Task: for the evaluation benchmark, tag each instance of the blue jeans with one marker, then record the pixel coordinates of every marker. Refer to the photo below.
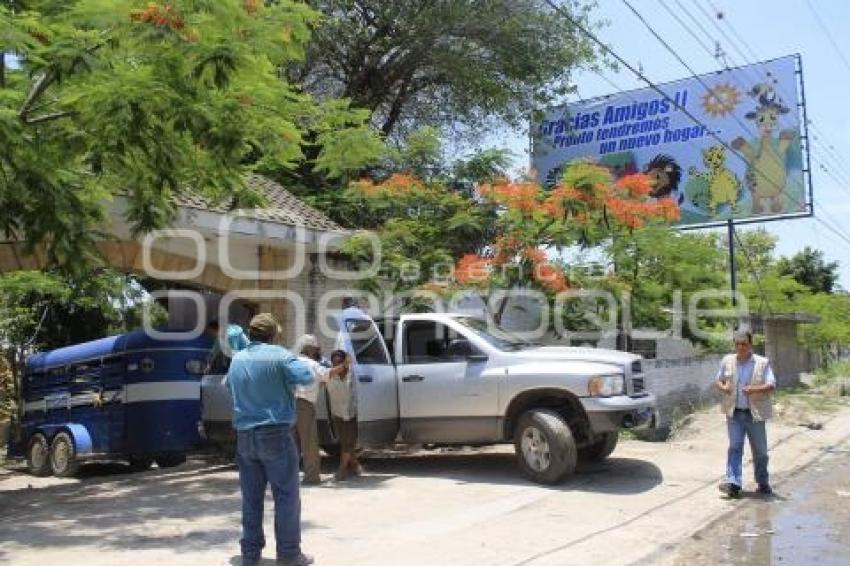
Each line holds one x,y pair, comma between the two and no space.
268,455
741,424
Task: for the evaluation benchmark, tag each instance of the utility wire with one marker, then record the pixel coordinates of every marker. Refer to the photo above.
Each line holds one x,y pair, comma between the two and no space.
654,87
754,61
754,271
684,63
841,183
685,26
828,35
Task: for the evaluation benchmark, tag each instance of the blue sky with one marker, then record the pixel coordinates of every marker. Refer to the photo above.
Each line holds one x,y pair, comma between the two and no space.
771,29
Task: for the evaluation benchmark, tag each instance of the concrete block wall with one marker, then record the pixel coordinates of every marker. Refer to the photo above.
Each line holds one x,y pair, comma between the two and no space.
681,383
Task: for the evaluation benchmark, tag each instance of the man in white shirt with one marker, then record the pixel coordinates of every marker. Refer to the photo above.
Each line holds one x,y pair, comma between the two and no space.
747,384
310,353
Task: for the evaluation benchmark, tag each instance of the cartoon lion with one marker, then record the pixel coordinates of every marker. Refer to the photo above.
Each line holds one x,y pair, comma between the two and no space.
665,174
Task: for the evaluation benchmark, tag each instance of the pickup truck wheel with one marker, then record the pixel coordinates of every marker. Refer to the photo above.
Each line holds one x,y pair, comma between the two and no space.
38,456
545,447
601,449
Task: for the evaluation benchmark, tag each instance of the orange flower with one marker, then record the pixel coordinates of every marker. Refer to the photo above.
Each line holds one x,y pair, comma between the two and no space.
551,277
472,269
534,255
522,197
635,185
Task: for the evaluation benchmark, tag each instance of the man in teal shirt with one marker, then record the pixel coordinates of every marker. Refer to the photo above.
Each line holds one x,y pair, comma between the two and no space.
261,380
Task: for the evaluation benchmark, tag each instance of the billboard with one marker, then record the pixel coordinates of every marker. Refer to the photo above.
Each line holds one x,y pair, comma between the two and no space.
753,110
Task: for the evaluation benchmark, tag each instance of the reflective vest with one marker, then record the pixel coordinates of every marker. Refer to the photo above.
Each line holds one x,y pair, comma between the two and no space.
761,404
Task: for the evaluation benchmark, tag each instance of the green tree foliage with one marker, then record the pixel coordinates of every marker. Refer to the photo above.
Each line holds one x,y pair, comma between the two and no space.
46,310
661,270
809,268
444,62
149,99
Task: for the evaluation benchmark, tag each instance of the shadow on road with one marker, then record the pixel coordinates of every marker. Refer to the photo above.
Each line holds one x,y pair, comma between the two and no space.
614,476
197,506
108,507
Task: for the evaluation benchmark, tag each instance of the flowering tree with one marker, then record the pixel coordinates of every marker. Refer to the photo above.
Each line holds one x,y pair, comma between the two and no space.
502,238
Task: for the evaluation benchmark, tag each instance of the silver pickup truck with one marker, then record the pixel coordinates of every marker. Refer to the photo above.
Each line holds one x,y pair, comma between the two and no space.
441,378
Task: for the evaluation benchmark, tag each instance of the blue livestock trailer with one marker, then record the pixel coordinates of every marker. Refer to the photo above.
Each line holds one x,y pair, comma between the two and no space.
129,397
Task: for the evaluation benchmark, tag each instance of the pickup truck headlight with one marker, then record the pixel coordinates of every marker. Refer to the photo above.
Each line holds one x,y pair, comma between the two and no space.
606,385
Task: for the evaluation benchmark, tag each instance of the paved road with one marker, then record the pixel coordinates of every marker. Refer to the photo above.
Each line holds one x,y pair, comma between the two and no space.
453,508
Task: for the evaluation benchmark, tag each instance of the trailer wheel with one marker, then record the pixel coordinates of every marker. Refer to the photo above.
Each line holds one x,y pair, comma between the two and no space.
38,455
170,460
63,456
545,446
601,449
139,463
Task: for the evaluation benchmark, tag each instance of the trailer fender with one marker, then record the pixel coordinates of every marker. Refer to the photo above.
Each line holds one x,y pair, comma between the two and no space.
81,436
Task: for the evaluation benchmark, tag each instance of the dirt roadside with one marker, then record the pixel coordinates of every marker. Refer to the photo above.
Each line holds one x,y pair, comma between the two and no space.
460,507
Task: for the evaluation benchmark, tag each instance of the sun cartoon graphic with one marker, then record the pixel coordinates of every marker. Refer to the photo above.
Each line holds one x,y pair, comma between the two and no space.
721,100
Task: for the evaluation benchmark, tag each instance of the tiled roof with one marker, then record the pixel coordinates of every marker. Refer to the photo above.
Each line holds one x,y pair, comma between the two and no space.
283,206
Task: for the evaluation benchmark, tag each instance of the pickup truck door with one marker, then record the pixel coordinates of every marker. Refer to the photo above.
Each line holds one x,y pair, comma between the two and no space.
444,397
375,378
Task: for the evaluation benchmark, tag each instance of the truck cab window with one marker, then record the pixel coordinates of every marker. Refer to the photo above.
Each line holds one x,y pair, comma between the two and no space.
432,342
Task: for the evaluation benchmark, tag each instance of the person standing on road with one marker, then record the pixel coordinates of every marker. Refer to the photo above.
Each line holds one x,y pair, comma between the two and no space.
310,353
747,384
261,380
343,401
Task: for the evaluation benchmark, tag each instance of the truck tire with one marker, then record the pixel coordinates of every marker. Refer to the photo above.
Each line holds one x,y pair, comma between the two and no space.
139,463
38,455
170,460
545,446
600,449
63,456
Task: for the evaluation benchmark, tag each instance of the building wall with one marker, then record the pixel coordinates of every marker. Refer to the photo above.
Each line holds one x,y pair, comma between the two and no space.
681,384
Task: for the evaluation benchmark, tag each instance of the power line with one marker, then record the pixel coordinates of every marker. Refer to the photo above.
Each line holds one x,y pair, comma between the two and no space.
696,38
655,87
734,31
752,269
828,34
828,171
708,89
754,61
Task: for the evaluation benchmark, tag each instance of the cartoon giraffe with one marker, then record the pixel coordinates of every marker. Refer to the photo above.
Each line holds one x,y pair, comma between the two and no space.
766,172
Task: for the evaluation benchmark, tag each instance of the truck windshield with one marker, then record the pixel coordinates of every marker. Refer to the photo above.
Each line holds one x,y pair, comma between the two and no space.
496,336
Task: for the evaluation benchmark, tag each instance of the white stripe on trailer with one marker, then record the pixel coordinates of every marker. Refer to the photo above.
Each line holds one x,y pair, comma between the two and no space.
133,393
162,391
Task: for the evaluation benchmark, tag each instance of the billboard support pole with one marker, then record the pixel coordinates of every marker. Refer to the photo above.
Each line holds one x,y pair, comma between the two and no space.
733,268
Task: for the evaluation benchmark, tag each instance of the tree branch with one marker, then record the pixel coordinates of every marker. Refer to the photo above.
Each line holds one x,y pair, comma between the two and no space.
48,117
38,88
